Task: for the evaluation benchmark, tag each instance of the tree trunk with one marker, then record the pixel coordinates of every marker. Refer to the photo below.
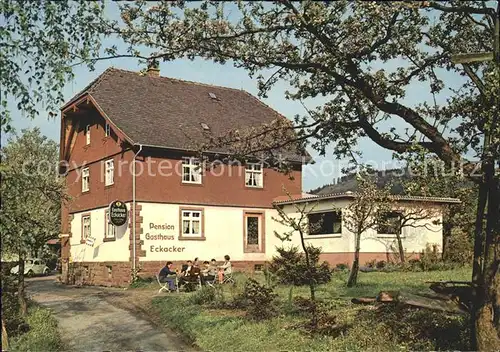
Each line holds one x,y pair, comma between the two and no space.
446,240
290,298
20,288
312,286
400,248
311,283
487,305
486,297
353,275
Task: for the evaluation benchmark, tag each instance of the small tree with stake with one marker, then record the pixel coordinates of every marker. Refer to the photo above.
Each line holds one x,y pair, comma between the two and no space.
313,274
363,214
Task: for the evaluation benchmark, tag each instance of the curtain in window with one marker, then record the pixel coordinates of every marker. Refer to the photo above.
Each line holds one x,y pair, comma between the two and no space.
185,226
196,227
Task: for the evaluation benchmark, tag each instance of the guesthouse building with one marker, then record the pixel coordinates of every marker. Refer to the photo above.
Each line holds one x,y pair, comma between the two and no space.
141,192
135,138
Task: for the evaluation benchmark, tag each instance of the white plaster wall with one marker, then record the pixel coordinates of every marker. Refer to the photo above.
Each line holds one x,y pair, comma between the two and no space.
415,238
223,232
224,235
101,251
329,243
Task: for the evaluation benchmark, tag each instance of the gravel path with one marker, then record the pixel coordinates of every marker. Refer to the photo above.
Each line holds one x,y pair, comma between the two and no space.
88,322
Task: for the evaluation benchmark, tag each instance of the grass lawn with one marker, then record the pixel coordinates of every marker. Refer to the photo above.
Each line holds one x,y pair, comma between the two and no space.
359,327
43,333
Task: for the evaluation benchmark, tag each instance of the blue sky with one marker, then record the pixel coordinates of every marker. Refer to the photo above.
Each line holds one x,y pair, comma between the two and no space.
322,172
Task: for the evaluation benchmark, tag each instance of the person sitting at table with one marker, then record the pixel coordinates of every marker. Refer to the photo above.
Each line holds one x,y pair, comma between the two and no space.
208,272
225,269
165,275
196,262
186,268
185,273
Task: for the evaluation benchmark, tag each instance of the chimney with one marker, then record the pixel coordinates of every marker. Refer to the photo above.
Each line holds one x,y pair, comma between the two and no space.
153,69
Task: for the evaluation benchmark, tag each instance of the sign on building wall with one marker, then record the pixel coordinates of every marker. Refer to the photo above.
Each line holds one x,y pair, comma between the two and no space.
118,213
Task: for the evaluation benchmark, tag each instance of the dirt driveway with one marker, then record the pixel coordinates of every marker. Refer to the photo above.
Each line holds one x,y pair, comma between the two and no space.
88,322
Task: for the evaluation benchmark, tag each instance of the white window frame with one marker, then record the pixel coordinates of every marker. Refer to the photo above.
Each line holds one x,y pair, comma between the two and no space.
86,228
107,130
110,230
85,179
254,175
87,135
109,172
191,167
192,216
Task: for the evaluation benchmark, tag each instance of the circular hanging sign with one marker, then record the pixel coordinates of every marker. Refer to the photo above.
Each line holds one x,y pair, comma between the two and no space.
118,213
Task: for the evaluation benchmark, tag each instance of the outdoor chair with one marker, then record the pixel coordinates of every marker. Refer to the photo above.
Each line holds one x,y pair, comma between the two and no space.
213,282
228,279
164,285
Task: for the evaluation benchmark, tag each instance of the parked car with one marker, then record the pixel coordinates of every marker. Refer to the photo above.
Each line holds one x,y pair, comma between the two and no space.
32,267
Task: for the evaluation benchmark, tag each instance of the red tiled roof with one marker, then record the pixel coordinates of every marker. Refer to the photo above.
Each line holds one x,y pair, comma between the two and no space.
169,113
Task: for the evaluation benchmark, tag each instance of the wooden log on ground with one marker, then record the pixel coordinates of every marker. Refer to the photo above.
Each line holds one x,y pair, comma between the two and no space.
462,294
467,283
438,302
428,302
364,300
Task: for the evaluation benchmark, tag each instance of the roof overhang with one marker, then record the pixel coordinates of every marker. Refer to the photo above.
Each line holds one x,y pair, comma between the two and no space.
351,195
305,160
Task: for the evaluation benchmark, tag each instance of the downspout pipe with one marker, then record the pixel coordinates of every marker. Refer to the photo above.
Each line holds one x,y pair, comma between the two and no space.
133,207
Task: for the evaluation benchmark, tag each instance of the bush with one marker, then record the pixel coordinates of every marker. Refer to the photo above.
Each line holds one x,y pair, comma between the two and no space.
291,269
259,300
205,295
341,267
43,334
429,257
459,247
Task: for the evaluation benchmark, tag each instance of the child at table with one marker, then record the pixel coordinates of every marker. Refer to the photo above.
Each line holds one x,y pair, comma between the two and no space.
225,269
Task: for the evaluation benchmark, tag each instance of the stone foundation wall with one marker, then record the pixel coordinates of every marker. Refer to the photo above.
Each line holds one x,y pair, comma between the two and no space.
100,273
119,273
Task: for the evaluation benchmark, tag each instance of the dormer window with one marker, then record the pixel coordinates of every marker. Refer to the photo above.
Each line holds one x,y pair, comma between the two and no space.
107,130
253,175
87,135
